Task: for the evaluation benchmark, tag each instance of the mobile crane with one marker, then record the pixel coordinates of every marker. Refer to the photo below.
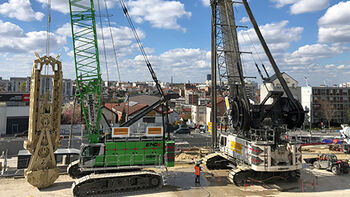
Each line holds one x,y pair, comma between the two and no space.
112,162
251,135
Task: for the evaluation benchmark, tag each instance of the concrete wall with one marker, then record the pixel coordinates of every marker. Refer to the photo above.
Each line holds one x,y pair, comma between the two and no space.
17,111
276,85
306,95
263,92
199,115
3,119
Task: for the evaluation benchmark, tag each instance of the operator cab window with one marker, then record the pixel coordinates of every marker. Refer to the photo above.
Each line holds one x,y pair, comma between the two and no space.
91,151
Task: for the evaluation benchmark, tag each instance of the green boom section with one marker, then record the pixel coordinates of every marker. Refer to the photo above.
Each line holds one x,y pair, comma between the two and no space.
138,153
87,65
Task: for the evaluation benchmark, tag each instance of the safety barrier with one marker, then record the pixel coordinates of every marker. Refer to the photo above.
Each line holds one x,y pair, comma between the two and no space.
306,185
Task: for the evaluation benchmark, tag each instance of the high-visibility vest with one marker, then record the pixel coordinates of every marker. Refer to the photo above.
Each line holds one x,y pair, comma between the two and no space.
197,170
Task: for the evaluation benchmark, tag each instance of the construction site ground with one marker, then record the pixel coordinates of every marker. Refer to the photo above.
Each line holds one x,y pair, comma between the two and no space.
180,182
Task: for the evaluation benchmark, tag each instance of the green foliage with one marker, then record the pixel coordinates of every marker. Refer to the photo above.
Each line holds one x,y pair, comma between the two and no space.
348,115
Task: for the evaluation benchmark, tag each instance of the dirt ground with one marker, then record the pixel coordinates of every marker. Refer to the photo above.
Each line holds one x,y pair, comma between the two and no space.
180,183
312,151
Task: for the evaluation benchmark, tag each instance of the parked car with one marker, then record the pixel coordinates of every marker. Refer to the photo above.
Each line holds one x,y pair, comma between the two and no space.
182,130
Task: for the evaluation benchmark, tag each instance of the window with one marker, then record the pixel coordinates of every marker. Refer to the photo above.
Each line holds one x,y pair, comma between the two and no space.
91,151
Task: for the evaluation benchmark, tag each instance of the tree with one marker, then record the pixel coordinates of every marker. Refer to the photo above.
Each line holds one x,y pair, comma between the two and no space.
348,115
328,110
67,114
23,87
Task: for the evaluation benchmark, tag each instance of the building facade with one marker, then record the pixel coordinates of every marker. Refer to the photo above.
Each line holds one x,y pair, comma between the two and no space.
275,85
14,113
198,114
333,102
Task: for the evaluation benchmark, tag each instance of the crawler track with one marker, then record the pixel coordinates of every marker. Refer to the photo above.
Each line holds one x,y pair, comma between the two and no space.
116,182
240,177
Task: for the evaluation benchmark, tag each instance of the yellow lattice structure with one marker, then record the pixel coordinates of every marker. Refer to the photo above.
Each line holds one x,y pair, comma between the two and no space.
44,122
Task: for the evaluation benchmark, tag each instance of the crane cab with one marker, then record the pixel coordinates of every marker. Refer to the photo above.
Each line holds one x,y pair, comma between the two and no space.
91,154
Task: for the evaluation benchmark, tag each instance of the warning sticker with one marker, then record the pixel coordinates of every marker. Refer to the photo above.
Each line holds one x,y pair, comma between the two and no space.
236,147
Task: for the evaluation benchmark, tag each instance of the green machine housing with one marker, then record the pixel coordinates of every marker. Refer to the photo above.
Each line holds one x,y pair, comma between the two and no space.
133,152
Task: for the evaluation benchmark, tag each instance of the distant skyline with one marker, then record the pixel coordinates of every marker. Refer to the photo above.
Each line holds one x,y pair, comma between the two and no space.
308,38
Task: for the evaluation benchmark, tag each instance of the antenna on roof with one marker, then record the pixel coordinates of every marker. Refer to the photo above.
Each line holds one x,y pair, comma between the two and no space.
307,83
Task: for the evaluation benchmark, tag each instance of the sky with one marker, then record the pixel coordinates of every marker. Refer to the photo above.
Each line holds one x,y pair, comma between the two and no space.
309,39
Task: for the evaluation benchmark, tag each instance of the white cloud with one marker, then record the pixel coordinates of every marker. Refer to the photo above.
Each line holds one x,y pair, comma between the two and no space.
181,63
160,13
334,24
206,3
341,67
123,38
309,54
65,30
63,5
58,5
244,20
281,3
277,35
14,40
21,10
302,6
10,29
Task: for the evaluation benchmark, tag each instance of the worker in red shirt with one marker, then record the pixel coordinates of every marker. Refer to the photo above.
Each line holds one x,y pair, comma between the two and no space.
197,170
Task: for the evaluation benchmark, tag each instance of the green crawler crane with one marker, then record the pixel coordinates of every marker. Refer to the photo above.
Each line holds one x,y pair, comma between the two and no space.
113,162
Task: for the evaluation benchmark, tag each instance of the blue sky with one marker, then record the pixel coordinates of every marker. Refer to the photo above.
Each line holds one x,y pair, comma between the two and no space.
308,38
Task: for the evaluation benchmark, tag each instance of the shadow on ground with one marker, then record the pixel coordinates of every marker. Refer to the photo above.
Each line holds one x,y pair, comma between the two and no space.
58,186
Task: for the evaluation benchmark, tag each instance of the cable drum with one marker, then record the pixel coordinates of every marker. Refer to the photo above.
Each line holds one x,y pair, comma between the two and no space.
240,114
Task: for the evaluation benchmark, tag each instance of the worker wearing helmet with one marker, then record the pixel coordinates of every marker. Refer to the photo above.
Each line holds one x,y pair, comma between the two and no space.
197,170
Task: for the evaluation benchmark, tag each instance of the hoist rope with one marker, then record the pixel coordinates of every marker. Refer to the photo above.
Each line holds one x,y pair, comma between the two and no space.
137,38
113,44
256,51
48,30
103,39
